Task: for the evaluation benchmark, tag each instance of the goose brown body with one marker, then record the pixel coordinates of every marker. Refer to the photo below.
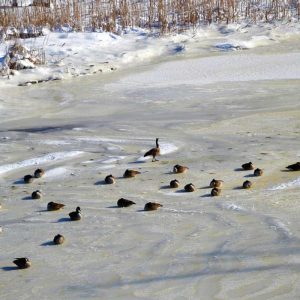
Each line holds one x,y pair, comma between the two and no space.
28,178
294,167
152,206
36,194
174,183
215,183
154,152
39,173
130,173
215,191
75,215
258,172
248,166
55,206
110,179
189,188
180,169
124,202
22,262
247,184
58,239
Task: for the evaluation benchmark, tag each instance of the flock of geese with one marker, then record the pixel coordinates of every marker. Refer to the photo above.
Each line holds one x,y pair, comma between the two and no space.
215,184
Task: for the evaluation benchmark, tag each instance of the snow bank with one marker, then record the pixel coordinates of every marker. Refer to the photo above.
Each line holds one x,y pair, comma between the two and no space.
70,54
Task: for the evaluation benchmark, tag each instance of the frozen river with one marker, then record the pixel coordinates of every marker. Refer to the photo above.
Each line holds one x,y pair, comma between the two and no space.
212,113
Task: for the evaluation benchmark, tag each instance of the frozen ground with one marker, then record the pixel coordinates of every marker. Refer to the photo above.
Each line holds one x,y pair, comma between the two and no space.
243,244
71,54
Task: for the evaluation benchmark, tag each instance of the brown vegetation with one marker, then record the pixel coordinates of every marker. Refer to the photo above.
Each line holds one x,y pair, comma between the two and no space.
166,15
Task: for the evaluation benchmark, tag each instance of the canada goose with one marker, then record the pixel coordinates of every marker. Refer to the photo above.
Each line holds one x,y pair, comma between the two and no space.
180,169
22,262
58,239
75,215
154,152
36,195
130,173
216,183
248,166
124,202
189,187
174,183
54,206
110,179
152,206
247,184
28,178
215,191
258,172
294,167
39,173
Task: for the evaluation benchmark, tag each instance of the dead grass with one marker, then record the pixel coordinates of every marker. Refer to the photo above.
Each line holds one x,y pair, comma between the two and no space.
165,15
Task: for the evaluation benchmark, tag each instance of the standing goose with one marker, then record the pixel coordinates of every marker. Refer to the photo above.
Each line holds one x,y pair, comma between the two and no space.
294,167
154,152
22,262
75,215
180,169
130,173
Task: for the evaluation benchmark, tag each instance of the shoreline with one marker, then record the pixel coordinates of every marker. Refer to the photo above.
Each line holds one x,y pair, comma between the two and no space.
76,54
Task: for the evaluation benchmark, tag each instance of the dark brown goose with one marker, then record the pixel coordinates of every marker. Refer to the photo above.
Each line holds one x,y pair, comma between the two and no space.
216,183
294,167
189,188
130,173
110,179
124,202
55,206
174,183
180,169
58,239
152,206
248,166
247,184
28,178
22,262
38,173
154,152
258,172
215,192
75,215
36,195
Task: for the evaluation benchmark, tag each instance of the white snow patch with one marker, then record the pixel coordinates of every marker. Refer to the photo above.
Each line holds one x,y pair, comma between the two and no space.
55,172
287,185
48,158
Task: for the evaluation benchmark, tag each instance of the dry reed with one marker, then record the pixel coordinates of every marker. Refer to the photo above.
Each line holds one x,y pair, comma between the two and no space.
164,15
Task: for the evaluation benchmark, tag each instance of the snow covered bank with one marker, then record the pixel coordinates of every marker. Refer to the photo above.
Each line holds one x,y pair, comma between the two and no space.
70,54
